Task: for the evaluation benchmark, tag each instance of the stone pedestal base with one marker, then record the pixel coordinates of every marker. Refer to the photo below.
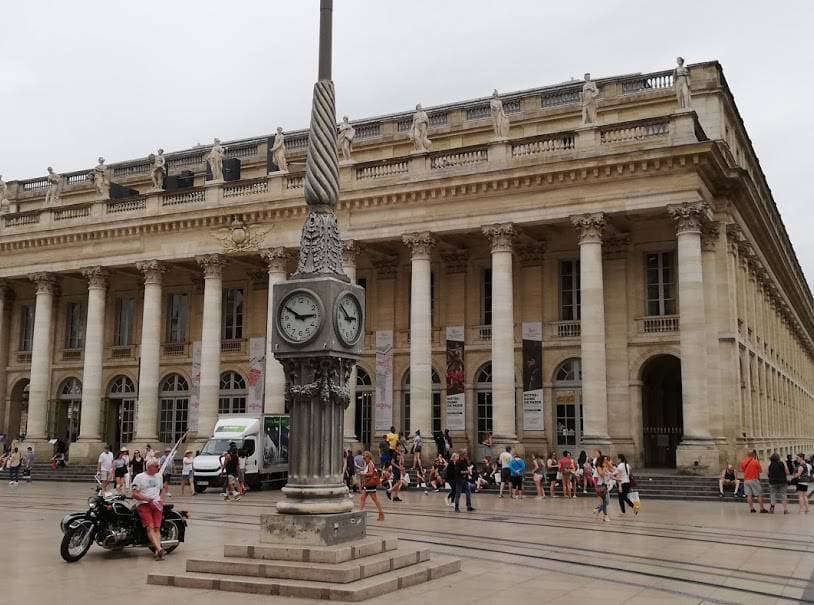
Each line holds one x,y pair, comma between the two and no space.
312,530
85,451
697,457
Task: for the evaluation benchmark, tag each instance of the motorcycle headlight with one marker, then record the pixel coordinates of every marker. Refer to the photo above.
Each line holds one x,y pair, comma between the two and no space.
92,501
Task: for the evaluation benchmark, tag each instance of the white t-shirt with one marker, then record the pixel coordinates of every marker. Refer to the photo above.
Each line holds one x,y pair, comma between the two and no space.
241,463
148,485
623,473
187,469
505,458
106,461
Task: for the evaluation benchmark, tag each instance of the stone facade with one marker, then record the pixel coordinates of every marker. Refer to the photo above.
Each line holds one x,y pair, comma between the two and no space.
682,335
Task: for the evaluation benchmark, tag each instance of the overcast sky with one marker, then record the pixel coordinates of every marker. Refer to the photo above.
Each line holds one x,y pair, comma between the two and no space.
82,78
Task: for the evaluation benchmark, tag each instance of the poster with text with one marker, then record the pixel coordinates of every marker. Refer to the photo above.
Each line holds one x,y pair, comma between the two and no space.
256,383
195,390
456,396
383,419
533,418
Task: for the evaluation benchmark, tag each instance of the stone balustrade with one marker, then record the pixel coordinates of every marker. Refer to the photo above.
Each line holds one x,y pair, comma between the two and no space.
296,181
126,205
70,212
556,98
40,184
196,195
458,158
543,145
644,82
659,324
243,189
76,178
367,131
635,132
564,329
382,169
484,110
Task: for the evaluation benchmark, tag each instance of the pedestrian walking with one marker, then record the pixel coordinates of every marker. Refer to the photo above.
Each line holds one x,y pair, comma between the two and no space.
602,478
397,477
136,464
13,461
623,479
552,473
464,476
119,470
453,470
370,482
517,467
538,474
751,468
104,468
505,472
418,445
801,478
778,483
566,470
229,467
186,473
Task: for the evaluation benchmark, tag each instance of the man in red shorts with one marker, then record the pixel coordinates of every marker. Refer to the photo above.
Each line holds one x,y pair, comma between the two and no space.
148,487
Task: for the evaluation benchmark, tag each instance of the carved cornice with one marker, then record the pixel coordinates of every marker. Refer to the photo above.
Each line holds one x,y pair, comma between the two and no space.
501,236
386,267
689,217
420,244
350,252
590,227
616,247
455,261
45,283
96,276
212,265
277,259
152,270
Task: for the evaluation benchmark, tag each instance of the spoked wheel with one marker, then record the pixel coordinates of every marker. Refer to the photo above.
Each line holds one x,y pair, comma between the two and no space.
169,532
76,541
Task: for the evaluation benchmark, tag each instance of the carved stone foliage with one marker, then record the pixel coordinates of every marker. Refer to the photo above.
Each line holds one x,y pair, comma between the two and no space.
590,227
45,283
455,261
152,270
241,237
710,237
277,259
615,248
212,264
531,254
322,378
689,217
96,276
320,246
420,244
501,236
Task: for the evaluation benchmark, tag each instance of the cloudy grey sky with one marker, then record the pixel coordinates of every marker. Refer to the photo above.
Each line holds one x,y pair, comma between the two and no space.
84,78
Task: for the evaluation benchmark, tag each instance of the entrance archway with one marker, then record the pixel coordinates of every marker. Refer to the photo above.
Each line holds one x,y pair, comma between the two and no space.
18,411
120,420
568,404
364,406
662,416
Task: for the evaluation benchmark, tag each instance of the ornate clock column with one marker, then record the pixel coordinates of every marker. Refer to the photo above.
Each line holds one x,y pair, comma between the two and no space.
318,327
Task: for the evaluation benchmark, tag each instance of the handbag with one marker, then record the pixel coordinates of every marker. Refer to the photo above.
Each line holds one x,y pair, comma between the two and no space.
372,480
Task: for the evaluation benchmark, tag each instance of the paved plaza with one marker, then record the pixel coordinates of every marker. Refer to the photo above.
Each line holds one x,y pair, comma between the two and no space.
529,551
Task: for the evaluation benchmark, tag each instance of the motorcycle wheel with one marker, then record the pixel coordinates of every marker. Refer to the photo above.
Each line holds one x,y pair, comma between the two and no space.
169,531
76,542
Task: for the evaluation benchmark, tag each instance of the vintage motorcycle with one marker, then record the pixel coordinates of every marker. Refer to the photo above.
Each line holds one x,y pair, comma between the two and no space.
114,525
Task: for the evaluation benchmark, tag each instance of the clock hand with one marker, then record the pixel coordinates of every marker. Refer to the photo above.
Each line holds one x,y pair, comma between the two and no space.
344,312
297,315
306,316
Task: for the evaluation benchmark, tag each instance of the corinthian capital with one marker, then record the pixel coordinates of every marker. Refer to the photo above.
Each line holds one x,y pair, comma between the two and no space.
589,227
689,217
501,236
212,264
420,244
152,270
46,283
350,252
277,259
96,276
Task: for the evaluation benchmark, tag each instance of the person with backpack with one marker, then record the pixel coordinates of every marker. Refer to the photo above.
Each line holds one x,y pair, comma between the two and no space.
370,482
229,466
623,478
777,483
801,479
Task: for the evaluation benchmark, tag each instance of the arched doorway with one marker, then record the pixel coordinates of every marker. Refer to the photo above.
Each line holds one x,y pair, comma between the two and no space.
483,400
120,422
173,408
68,410
18,411
568,404
233,393
364,406
436,404
662,418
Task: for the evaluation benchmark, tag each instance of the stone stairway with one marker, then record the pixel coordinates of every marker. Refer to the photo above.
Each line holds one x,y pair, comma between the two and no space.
71,472
354,572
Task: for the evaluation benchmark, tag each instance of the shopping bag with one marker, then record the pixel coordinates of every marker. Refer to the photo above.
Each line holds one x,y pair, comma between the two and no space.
634,497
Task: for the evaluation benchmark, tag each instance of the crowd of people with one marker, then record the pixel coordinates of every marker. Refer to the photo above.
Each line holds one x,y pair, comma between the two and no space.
792,474
114,471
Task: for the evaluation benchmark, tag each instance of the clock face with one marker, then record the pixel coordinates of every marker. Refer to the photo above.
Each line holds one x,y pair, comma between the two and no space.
348,320
299,317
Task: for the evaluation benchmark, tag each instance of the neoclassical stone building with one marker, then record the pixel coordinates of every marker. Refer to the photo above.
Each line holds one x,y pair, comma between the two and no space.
612,273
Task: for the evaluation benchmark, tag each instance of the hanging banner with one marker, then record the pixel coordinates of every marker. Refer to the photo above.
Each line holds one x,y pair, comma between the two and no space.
533,417
195,390
456,396
383,418
256,382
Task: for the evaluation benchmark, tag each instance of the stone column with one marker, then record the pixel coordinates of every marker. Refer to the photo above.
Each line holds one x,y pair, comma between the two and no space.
150,353
274,394
421,245
212,265
503,393
697,450
90,435
350,253
6,304
39,387
590,228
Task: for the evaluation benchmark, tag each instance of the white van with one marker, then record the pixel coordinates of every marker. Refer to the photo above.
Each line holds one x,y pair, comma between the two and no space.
263,438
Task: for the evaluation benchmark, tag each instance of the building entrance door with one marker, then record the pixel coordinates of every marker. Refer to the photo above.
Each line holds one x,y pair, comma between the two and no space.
568,405
662,418
364,407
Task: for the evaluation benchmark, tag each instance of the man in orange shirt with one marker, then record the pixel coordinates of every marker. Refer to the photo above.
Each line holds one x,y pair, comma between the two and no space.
750,466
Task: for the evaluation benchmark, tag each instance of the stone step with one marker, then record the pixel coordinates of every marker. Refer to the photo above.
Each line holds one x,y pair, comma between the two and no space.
360,590
341,573
313,554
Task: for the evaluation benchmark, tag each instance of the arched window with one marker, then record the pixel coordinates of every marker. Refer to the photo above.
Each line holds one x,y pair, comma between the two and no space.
232,394
364,406
436,403
174,408
483,399
568,402
69,409
122,391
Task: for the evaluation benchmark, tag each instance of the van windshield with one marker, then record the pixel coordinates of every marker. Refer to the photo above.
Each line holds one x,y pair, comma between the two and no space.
216,447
